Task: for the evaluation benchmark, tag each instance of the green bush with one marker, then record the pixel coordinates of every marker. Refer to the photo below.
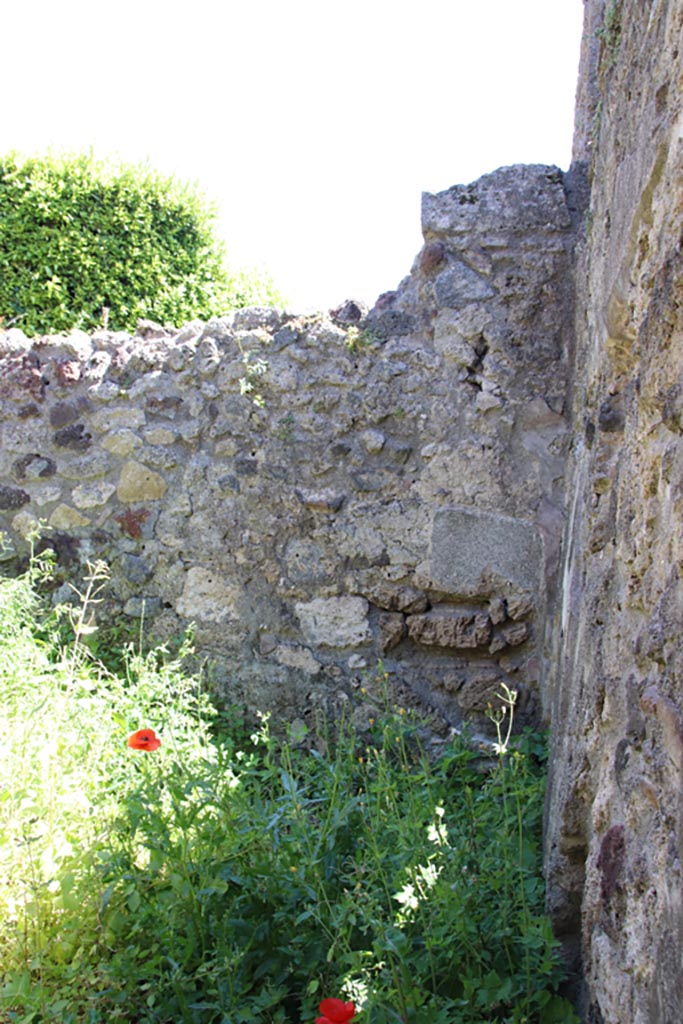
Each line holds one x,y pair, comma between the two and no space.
78,236
229,879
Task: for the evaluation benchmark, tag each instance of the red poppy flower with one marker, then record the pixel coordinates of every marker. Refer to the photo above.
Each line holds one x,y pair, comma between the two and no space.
334,1011
144,739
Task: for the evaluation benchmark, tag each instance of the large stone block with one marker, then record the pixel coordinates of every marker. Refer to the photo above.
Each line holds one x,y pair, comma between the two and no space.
334,621
471,549
207,597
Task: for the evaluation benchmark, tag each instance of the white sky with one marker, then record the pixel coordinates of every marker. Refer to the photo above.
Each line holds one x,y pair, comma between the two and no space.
314,126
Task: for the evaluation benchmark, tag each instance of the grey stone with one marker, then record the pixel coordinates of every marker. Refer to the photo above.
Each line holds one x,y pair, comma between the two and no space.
390,324
267,644
63,413
287,335
398,598
450,629
92,495
519,606
373,440
321,501
497,610
148,330
134,568
299,658
515,633
13,497
13,341
613,801
471,548
350,312
34,466
75,437
460,284
334,621
246,465
208,357
513,200
481,691
142,607
207,597
253,317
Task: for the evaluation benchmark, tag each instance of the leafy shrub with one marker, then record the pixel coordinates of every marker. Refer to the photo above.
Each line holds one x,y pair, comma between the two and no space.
228,880
78,236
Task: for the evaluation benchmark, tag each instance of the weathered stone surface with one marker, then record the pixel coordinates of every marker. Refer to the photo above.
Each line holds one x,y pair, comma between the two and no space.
63,413
64,517
515,633
85,467
444,629
134,569
392,629
373,440
398,598
460,284
519,606
470,549
614,833
34,466
139,483
207,597
334,621
92,495
298,658
142,607
74,437
321,501
350,312
447,437
12,497
121,442
480,691
24,524
497,610
159,435
509,202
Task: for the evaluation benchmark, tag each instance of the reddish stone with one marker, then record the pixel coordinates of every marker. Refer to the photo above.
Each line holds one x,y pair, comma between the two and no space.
131,521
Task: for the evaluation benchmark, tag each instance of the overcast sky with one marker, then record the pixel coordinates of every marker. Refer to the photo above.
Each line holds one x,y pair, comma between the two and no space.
314,126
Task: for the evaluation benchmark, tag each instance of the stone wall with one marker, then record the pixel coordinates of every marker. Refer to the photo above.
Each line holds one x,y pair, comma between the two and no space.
397,494
614,828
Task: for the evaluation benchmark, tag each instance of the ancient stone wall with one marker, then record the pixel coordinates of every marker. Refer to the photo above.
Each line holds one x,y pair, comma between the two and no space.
614,821
317,493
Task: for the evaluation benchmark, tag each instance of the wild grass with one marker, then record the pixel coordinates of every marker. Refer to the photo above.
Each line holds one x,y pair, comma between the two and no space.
228,878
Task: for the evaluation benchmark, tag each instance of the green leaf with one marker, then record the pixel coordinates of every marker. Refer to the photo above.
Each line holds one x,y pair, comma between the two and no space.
110,236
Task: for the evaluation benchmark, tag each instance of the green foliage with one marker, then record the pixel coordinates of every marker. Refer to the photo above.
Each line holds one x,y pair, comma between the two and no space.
226,879
357,339
610,36
78,237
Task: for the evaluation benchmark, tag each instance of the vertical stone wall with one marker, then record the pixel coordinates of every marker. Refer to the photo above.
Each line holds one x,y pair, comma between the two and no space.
614,824
394,491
